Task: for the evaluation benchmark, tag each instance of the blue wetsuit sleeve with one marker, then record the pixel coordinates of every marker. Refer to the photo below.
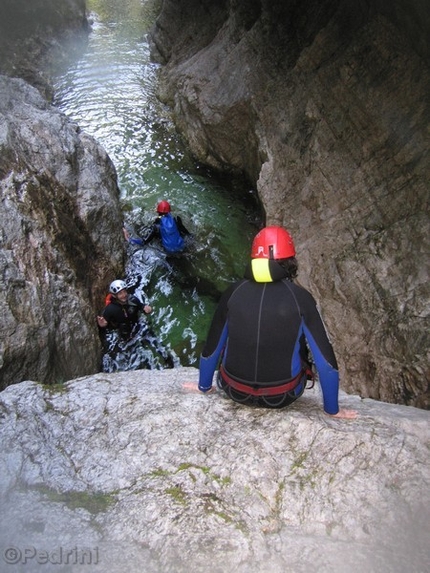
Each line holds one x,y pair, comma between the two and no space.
208,364
328,375
216,340
136,241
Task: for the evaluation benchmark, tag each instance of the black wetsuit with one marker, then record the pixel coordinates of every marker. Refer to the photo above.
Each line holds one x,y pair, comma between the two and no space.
129,342
123,317
258,328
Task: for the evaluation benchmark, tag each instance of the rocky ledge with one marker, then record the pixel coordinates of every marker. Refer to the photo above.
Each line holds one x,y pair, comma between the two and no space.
135,471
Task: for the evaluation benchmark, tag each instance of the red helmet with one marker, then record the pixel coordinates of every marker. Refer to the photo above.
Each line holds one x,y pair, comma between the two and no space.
163,207
273,243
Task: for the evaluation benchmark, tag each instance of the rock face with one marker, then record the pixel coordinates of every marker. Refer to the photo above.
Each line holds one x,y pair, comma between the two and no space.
324,107
34,33
135,472
61,219
60,239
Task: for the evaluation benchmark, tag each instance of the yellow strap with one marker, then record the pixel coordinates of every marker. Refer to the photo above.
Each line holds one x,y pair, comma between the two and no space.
260,270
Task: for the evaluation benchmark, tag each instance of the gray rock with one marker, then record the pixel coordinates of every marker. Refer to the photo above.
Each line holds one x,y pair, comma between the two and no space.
60,242
133,471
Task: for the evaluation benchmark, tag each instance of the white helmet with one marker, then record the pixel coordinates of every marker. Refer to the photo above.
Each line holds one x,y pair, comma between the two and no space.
116,286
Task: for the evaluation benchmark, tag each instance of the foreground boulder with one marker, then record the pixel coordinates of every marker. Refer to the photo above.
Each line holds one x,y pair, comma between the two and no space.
136,472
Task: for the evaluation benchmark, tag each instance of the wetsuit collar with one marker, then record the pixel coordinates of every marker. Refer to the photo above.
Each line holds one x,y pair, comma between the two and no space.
265,271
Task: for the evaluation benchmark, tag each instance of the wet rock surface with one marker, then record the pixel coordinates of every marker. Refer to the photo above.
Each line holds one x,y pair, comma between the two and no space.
144,474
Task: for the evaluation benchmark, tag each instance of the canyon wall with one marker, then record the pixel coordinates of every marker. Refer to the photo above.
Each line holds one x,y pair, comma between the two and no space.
324,107
60,242
34,33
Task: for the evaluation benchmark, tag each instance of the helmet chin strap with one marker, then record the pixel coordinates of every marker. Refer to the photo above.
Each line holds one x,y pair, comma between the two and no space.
271,256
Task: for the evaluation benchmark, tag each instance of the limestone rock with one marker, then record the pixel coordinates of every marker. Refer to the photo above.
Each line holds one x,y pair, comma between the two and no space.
146,475
324,107
60,239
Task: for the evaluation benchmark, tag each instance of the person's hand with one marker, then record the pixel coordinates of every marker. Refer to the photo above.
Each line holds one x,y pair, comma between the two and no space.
102,322
126,234
210,391
147,309
345,414
193,387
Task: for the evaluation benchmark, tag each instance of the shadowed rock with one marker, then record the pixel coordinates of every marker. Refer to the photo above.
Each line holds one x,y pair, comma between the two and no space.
60,239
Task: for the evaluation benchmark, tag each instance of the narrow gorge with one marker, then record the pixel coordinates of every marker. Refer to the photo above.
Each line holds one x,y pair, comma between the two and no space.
323,108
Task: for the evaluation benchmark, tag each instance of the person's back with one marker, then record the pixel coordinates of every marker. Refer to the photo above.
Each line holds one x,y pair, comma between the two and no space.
170,235
261,329
271,315
168,229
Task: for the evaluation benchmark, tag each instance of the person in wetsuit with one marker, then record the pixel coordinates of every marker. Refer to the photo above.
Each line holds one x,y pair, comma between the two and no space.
260,329
122,312
171,239
126,335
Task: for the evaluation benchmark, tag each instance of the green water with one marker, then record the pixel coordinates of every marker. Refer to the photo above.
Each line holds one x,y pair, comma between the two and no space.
109,90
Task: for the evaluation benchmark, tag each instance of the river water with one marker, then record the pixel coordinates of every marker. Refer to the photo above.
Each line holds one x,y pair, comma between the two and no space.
109,89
